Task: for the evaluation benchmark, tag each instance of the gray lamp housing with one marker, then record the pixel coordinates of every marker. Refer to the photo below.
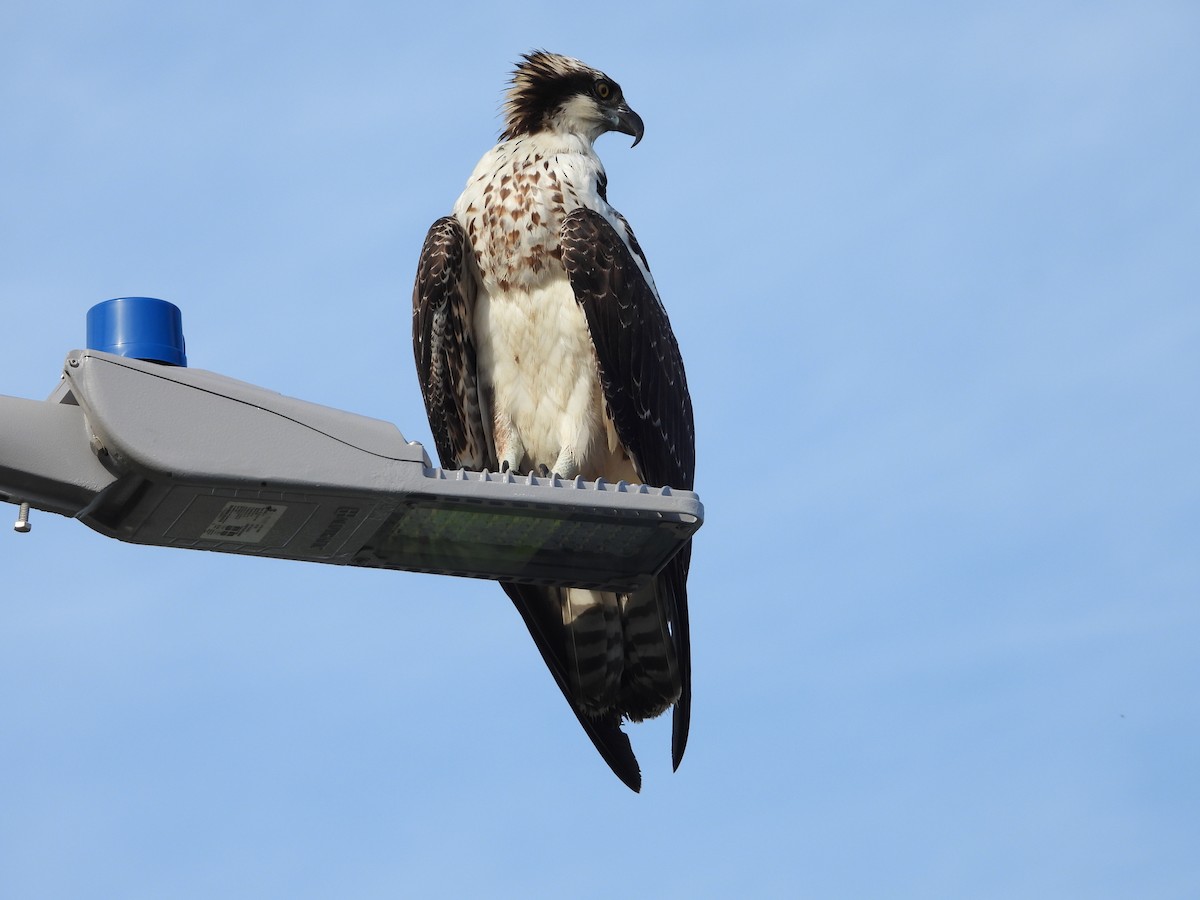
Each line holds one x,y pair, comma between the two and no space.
178,457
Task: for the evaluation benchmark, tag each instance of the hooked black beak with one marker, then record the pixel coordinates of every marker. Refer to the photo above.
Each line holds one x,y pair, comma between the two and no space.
626,121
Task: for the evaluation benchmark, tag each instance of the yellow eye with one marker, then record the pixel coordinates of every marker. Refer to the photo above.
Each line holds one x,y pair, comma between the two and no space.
603,90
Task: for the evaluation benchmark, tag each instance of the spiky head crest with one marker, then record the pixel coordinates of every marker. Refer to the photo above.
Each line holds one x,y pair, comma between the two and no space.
550,91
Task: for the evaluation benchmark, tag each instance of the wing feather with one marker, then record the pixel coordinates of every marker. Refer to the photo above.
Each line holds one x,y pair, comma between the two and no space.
443,301
641,368
541,610
645,390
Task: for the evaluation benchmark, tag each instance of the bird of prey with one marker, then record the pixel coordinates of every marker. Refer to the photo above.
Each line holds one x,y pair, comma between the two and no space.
542,347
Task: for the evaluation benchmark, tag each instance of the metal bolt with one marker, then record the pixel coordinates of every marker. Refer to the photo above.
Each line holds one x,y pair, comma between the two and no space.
22,525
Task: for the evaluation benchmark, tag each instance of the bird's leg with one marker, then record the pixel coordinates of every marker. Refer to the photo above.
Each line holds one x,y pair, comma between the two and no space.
566,466
509,448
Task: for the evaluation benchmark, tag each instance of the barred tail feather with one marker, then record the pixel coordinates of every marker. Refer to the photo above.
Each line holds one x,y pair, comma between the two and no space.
593,626
650,681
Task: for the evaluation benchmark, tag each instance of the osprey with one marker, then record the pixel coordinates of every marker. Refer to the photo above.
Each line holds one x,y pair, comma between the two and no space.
542,347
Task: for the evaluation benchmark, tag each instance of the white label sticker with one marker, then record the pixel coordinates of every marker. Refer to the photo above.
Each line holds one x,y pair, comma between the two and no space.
247,523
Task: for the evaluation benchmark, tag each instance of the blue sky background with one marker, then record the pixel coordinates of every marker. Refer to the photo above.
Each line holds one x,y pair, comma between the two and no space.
935,270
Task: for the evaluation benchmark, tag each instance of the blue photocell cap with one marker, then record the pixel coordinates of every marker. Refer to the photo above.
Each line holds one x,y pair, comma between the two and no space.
139,327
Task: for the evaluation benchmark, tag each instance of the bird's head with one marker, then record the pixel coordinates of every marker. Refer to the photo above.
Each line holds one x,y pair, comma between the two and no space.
557,93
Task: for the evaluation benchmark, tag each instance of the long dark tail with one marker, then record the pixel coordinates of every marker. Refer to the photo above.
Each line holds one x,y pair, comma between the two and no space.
616,657
542,610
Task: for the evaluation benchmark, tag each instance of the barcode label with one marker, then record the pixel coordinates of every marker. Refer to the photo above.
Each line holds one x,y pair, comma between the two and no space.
247,523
